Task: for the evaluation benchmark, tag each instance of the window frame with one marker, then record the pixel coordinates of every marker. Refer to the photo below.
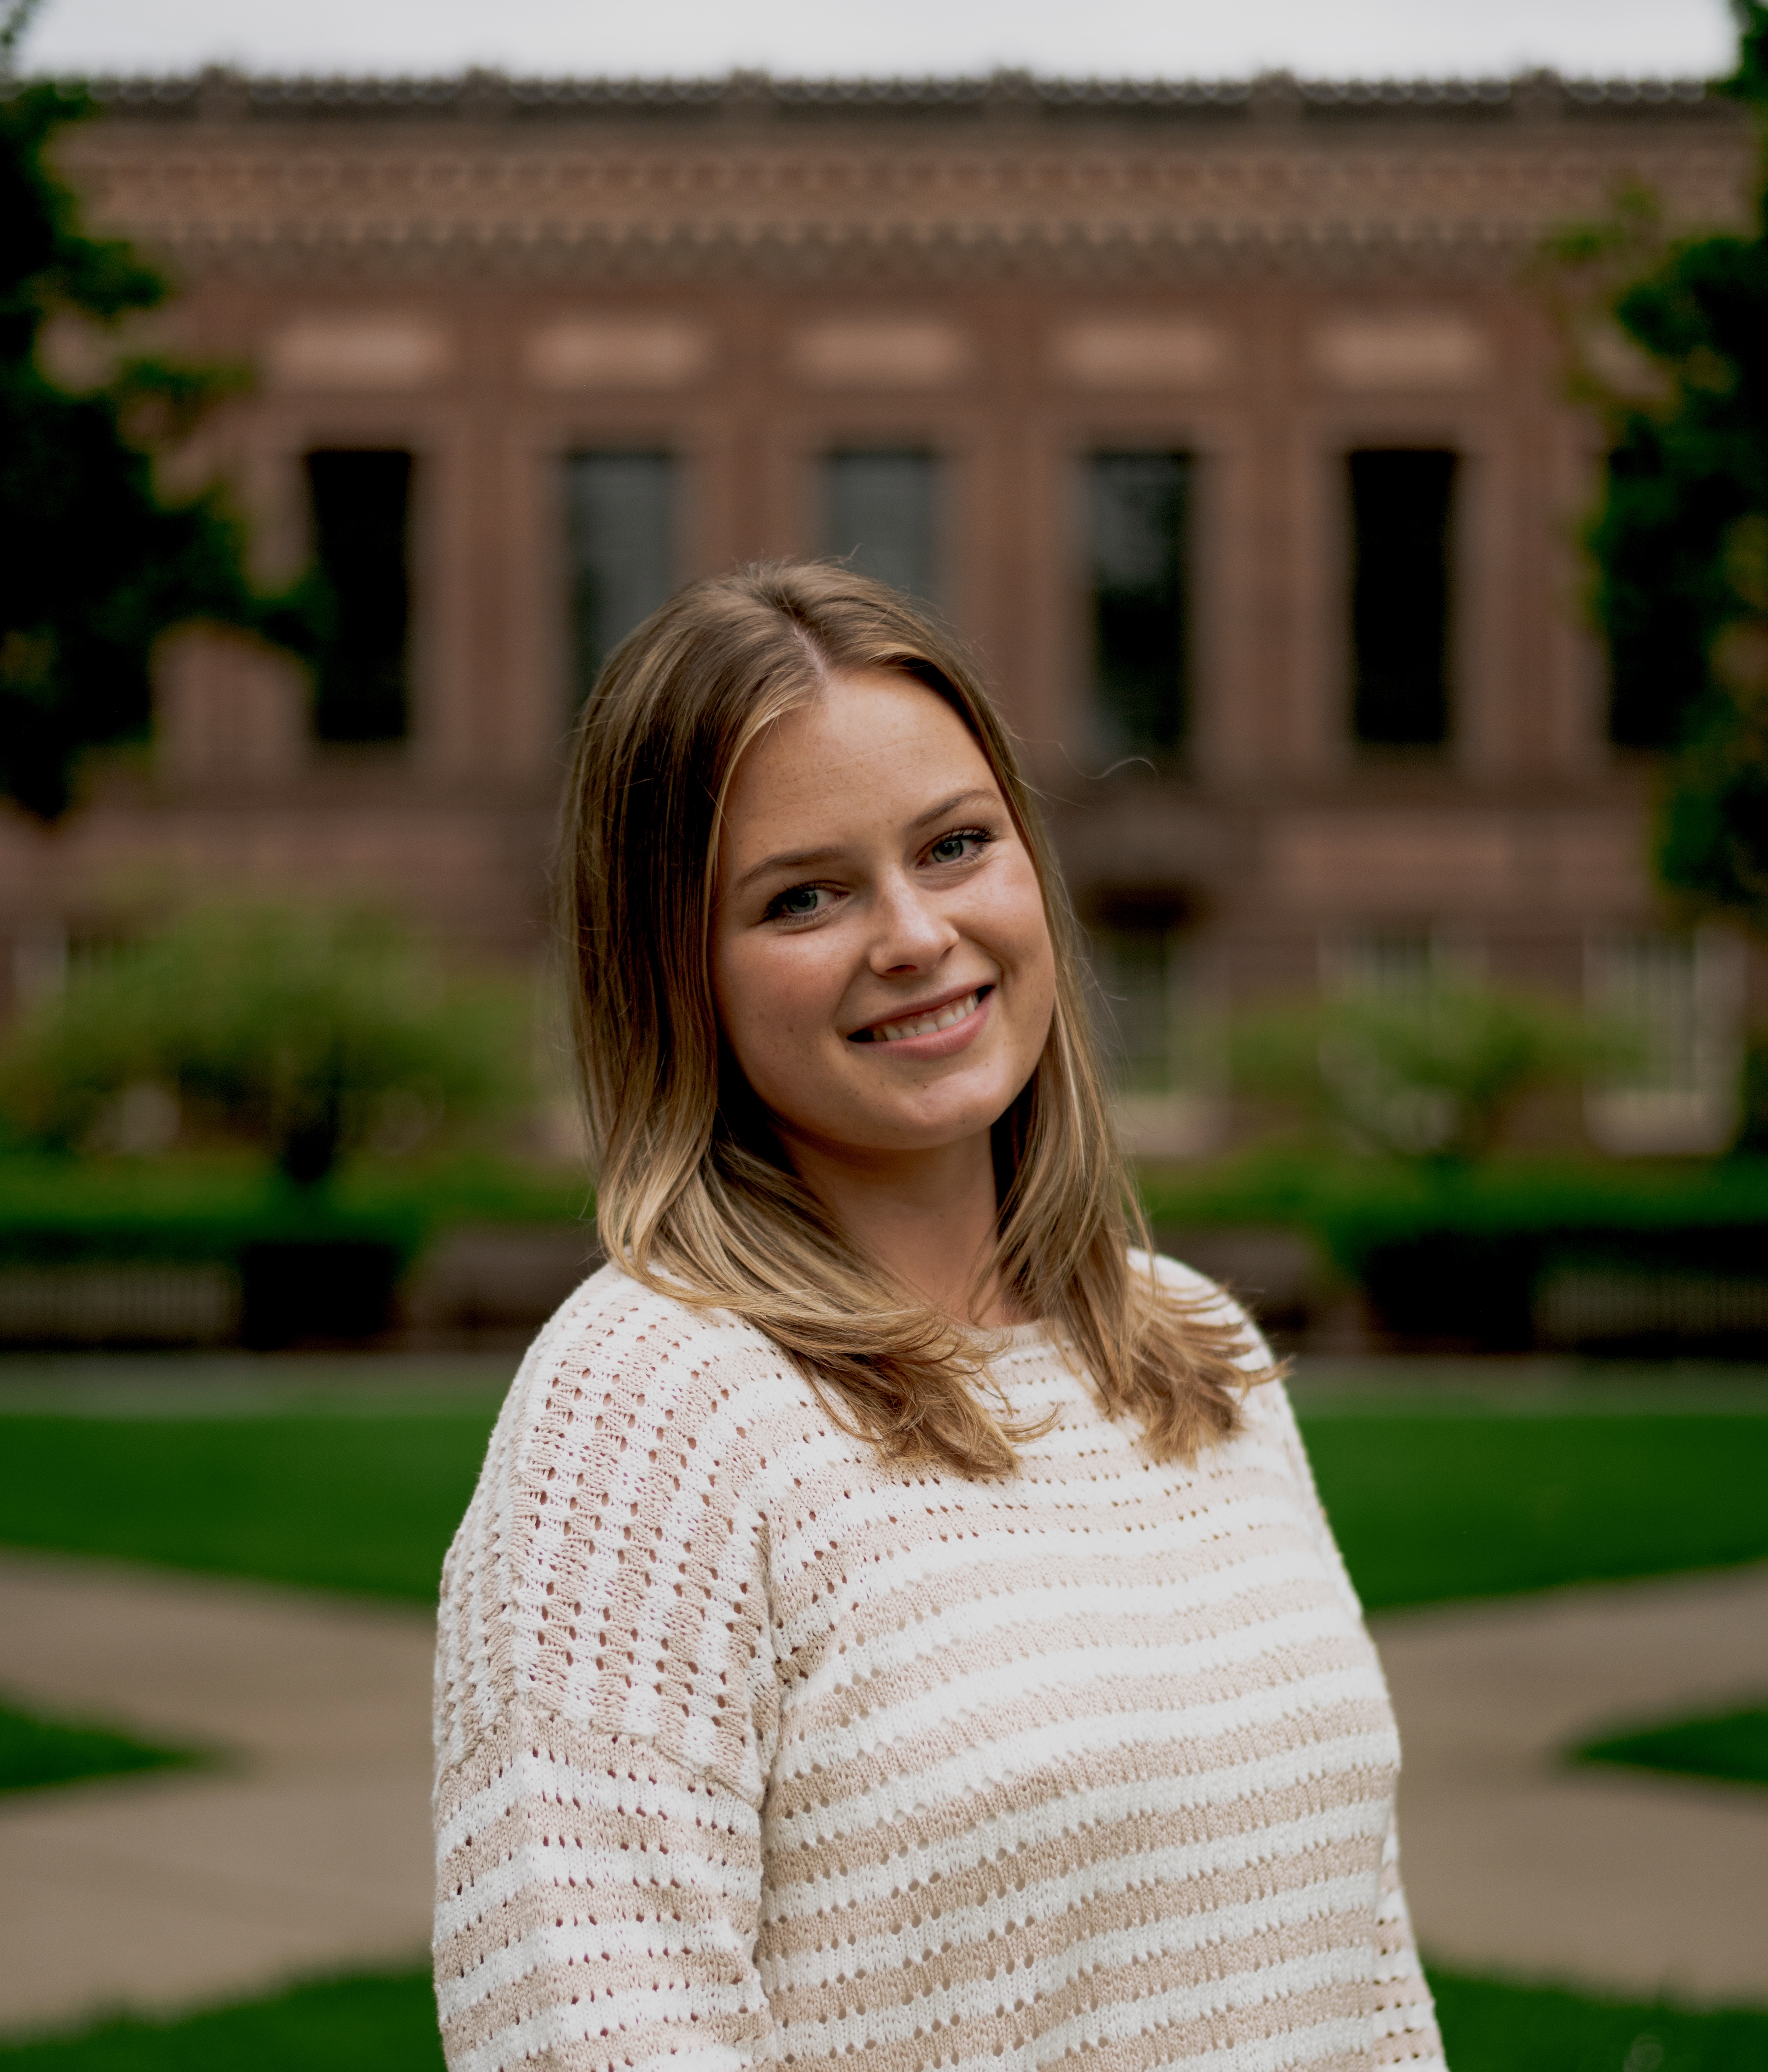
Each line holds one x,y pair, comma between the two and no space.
1451,688
936,593
582,670
315,449
1116,741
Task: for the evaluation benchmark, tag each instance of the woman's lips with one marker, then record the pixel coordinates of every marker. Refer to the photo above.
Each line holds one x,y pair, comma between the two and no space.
946,1026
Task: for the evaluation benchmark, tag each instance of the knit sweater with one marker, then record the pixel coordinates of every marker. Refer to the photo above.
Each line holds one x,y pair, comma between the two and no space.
753,1747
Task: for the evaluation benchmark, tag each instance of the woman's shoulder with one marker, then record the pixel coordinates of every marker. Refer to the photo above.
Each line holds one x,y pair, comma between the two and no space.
613,1309
633,1450
1209,1299
1210,1302
1183,1279
620,1348
629,1388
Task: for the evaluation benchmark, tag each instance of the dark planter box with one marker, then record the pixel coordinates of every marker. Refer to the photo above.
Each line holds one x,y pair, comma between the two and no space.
300,1291
1661,1293
1275,1272
1452,1289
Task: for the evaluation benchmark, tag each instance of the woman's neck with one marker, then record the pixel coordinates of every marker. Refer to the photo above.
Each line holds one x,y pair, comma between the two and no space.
927,1217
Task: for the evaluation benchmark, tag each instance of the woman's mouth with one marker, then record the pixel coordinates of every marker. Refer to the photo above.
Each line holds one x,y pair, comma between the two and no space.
946,1016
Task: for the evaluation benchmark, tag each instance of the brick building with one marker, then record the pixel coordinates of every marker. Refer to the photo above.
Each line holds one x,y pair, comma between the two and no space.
1224,420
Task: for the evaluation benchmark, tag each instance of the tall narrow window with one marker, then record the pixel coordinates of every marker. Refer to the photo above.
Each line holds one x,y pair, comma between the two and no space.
361,503
1401,500
620,521
881,509
1145,1037
1157,1036
1680,999
1138,524
1395,965
1402,987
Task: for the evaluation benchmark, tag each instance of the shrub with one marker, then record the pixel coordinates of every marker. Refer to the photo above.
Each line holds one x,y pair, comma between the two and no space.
306,1033
1433,1072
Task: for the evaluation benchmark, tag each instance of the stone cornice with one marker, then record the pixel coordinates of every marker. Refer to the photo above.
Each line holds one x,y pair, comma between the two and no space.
489,95
1448,179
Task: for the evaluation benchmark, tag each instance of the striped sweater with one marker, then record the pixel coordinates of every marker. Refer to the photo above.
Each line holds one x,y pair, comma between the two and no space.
754,1748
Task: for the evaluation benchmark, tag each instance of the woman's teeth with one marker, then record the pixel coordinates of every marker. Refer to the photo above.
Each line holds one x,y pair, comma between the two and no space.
925,1024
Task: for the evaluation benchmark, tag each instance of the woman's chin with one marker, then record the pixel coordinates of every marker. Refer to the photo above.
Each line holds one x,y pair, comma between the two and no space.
890,1136
937,1130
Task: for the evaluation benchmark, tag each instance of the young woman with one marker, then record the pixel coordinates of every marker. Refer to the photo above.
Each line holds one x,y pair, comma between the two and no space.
895,1623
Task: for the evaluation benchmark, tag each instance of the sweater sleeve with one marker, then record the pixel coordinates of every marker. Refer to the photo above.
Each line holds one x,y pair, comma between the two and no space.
1405,2020
1405,2017
604,1706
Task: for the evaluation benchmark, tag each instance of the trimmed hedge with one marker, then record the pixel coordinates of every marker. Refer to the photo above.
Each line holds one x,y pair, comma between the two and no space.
1445,1253
1461,1255
1355,1209
67,1209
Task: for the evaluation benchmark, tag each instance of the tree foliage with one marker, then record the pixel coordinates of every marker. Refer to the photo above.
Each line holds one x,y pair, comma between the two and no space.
1680,542
1434,1072
95,562
309,1033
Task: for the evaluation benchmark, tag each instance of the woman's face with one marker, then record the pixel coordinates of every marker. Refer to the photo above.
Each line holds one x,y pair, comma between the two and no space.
880,953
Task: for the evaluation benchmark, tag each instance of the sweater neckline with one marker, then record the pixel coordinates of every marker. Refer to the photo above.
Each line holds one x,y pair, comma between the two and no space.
1011,1338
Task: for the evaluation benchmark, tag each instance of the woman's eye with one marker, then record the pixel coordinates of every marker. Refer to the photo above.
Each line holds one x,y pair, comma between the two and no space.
955,847
798,904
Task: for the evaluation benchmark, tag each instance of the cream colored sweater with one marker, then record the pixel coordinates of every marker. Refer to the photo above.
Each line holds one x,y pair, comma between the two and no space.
752,1749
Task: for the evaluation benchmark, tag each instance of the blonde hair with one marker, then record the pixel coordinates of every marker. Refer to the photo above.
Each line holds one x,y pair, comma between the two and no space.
693,1193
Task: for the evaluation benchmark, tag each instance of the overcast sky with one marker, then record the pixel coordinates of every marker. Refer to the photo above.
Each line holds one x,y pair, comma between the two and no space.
1167,38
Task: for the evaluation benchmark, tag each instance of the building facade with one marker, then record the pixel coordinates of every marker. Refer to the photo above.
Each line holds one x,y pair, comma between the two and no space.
1227,423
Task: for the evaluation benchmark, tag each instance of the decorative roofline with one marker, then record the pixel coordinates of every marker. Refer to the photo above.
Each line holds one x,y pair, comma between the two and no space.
1537,96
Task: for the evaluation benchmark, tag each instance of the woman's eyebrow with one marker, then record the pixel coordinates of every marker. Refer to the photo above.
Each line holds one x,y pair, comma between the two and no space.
808,859
797,859
951,805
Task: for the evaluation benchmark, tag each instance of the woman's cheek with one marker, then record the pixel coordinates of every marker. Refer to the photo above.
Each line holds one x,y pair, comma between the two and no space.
1013,926
741,981
784,995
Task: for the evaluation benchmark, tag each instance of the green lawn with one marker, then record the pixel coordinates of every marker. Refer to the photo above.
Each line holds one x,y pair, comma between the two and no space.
341,1500
1433,1497
1477,1504
1488,2025
1451,1504
387,2023
374,2022
36,1749
1733,1746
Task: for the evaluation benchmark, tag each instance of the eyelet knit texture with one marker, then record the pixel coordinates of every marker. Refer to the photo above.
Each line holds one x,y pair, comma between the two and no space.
754,1748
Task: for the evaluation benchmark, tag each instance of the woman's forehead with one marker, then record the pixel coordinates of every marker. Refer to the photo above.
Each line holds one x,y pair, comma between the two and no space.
871,744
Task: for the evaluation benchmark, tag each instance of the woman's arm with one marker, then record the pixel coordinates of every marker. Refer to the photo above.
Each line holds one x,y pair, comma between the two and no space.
1406,2019
605,1706
597,1905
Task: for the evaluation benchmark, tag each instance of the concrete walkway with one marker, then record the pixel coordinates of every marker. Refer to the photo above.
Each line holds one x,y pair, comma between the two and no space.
307,1851
1515,1861
310,1850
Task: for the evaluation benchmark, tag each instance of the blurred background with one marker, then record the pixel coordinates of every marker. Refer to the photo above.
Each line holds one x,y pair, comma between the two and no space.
1343,440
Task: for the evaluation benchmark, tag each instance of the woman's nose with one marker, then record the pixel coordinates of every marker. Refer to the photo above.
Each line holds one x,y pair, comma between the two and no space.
911,932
